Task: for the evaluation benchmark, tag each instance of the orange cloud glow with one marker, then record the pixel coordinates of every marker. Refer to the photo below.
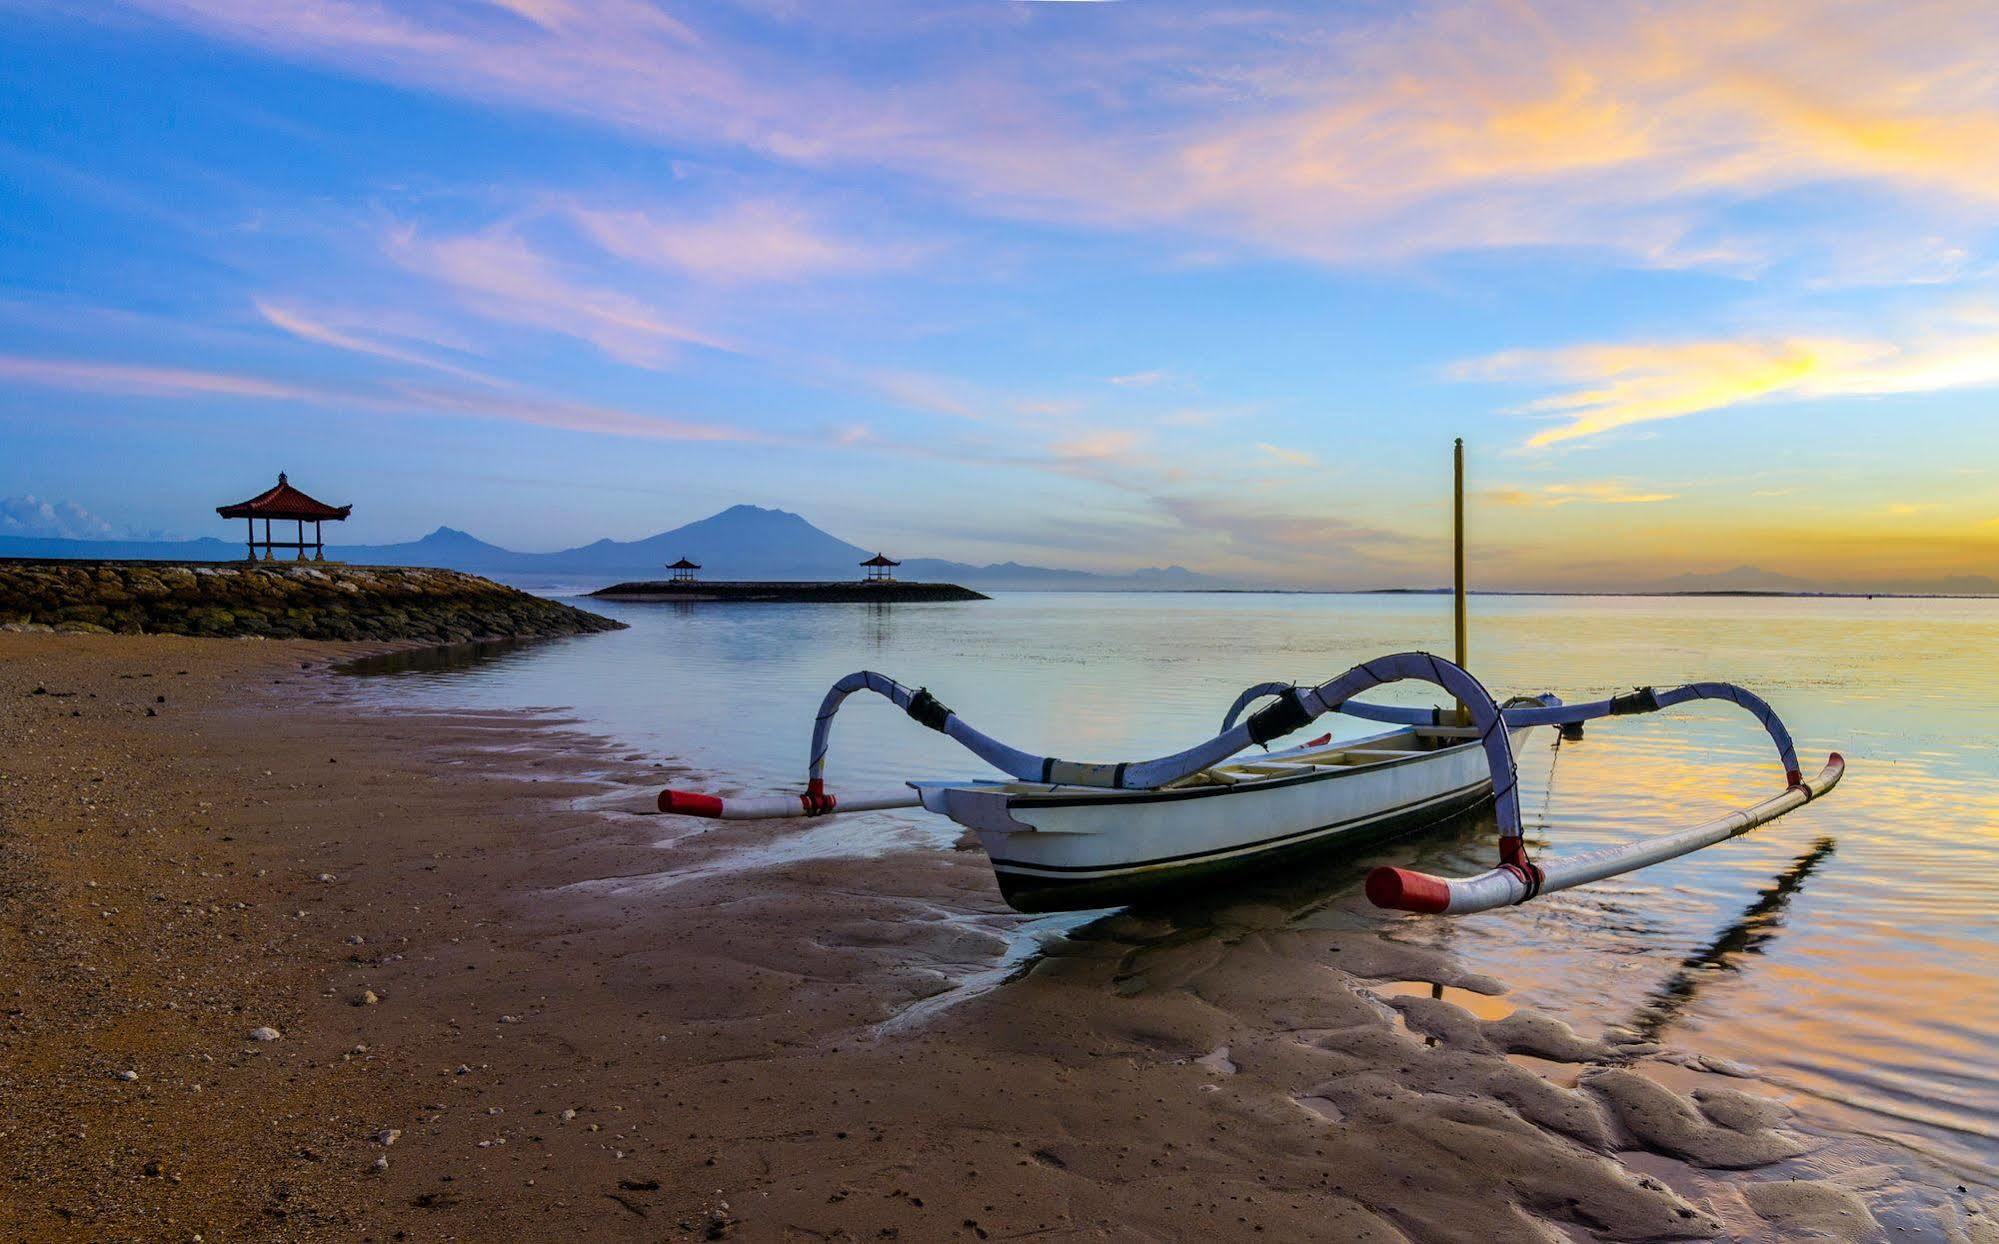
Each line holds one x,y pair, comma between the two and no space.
1617,386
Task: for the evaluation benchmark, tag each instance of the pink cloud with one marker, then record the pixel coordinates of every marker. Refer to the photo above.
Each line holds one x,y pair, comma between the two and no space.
500,276
741,243
1447,126
89,376
137,380
316,330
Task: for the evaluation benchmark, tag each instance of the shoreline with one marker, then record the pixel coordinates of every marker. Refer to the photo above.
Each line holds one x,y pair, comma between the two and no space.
793,1048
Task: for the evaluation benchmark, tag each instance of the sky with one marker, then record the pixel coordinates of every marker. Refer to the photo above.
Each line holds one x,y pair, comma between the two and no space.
1097,285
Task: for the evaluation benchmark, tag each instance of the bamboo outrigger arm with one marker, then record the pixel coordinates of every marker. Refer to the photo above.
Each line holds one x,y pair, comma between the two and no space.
1547,710
1517,879
1406,889
1297,707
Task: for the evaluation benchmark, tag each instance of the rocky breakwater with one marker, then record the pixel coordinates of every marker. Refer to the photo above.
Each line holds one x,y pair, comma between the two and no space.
290,600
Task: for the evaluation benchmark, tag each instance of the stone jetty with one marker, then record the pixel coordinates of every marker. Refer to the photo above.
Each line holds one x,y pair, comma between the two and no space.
852,592
277,600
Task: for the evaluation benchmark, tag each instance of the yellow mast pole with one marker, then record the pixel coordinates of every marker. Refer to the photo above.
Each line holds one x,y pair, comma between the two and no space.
1458,559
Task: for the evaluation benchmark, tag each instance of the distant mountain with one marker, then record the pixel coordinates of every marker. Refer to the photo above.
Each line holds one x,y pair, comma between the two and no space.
202,550
741,542
1740,579
1755,579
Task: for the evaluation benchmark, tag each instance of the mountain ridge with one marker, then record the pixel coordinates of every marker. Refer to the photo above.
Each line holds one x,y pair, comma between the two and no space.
740,542
753,542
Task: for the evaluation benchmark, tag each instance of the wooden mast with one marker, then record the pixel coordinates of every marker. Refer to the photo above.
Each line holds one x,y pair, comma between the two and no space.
1458,562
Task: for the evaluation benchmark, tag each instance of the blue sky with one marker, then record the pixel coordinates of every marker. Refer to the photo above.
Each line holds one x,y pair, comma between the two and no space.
1100,285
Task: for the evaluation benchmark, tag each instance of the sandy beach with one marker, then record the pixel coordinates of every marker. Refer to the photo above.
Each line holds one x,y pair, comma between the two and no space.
511,1003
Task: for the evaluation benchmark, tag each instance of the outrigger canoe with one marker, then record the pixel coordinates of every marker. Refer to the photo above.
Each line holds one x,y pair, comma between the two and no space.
1064,835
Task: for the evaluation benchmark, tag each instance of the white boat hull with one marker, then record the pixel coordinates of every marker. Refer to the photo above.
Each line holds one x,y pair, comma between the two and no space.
1071,848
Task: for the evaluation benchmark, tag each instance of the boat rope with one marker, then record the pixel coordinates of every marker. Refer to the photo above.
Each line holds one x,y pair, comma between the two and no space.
1548,800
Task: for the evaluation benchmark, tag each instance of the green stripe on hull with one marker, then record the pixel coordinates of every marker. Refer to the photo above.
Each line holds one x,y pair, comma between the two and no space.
1033,894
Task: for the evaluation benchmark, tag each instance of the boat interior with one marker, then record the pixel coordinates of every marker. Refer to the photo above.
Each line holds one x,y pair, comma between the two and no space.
1349,754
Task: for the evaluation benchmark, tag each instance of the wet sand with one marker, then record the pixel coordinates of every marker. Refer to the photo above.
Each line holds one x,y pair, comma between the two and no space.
592,1022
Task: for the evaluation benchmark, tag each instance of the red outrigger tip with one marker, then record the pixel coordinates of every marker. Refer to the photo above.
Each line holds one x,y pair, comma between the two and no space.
1403,890
687,803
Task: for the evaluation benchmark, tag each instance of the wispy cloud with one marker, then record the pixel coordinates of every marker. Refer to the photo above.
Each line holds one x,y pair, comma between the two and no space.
140,380
1102,446
1289,457
499,275
738,243
308,328
1301,543
1596,492
936,395
577,417
1623,126
1617,386
123,379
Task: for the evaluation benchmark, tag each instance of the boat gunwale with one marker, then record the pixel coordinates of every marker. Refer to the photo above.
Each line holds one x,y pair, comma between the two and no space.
1470,795
1108,797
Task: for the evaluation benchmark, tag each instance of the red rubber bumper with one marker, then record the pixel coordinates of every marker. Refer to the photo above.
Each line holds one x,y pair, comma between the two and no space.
687,803
1400,889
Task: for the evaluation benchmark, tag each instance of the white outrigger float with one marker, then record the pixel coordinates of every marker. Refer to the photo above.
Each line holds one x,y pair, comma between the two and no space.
1064,835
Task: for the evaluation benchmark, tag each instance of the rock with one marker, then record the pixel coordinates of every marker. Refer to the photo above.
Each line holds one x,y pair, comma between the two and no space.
323,878
314,602
386,1136
1810,1208
567,1115
265,1034
1720,1128
368,998
127,1076
380,1164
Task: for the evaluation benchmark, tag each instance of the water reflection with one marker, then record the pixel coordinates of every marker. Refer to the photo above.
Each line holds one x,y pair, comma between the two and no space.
1902,687
1747,935
441,659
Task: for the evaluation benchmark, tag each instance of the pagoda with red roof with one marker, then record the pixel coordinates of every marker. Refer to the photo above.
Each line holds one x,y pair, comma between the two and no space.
287,504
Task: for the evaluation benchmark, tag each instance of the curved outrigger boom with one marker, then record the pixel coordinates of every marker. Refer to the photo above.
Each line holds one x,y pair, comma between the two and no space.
1514,880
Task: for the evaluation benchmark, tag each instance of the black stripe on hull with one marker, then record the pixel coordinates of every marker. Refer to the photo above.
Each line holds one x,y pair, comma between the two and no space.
1033,894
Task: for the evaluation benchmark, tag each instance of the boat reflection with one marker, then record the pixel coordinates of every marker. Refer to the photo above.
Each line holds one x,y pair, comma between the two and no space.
1747,935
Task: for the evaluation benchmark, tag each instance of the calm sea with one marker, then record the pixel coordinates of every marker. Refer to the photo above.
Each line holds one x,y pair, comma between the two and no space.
1848,953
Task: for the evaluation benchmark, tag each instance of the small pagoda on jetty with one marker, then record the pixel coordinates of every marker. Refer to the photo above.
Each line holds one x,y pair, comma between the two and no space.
878,587
286,504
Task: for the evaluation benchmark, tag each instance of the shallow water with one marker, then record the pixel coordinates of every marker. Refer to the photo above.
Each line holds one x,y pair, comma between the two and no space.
1849,953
